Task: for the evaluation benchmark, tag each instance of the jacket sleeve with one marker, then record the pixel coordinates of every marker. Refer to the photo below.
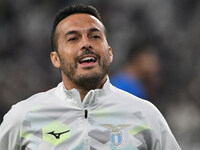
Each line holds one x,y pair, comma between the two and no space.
10,131
165,140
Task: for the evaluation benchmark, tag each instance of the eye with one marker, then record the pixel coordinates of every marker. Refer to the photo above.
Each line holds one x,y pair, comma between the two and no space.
95,36
72,39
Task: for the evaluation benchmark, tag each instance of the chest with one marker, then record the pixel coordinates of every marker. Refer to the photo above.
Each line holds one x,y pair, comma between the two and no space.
84,129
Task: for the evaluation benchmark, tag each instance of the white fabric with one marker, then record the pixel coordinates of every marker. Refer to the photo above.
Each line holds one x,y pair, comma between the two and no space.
112,114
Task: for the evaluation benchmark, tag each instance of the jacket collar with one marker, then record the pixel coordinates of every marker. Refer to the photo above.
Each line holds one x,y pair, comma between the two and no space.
73,97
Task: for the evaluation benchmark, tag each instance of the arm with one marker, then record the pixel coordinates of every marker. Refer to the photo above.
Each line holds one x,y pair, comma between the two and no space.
168,140
164,140
10,132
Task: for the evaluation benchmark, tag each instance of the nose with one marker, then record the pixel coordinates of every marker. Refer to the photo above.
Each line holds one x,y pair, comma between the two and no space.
85,43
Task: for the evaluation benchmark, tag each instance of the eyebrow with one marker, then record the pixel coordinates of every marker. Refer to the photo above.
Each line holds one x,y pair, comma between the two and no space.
94,30
76,32
71,32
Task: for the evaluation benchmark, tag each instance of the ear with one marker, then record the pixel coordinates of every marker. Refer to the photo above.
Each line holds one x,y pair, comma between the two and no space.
110,54
55,59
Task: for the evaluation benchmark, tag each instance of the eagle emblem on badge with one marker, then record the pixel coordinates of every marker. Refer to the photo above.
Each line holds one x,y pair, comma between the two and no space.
116,133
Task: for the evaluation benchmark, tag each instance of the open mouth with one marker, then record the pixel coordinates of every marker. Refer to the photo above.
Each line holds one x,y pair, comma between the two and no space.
88,60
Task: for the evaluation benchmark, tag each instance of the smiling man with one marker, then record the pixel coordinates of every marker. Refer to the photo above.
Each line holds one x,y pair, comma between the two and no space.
82,52
84,112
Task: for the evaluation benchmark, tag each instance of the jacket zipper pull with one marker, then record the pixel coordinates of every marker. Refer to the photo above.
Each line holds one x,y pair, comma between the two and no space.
86,113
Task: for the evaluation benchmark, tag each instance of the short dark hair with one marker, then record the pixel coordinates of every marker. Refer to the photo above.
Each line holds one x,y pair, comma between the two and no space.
67,11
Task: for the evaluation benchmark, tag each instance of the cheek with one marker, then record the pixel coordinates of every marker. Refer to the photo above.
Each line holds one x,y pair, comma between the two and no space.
65,49
68,53
105,56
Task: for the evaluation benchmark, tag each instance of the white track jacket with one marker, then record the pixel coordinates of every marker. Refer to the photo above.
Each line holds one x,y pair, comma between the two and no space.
107,119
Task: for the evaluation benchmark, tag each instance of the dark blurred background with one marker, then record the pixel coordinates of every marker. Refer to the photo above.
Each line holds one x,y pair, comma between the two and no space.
173,25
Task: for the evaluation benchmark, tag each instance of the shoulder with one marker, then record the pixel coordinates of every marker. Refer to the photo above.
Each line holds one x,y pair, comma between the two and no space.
126,96
146,115
10,128
17,111
36,99
133,102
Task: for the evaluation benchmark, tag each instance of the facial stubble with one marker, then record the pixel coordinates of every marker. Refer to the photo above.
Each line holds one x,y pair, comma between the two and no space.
85,81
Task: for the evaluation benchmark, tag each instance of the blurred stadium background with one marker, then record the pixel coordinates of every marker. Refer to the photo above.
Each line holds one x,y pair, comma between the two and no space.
25,67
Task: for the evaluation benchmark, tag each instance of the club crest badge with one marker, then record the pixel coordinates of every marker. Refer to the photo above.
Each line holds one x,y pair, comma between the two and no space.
116,138
115,132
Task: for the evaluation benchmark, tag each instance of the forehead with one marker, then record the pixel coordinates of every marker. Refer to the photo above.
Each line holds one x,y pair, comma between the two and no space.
79,22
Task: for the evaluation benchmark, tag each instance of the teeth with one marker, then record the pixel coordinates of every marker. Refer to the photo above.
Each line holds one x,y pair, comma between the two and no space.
88,58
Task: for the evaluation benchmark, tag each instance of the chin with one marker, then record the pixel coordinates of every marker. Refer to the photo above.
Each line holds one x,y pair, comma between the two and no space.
89,80
92,76
89,73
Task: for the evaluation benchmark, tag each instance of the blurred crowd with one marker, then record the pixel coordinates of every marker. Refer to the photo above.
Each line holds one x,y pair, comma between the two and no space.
171,27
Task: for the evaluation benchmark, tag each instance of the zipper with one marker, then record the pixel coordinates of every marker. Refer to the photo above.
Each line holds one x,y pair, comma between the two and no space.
86,128
86,113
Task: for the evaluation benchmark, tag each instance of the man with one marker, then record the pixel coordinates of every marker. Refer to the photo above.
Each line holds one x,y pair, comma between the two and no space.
140,74
84,112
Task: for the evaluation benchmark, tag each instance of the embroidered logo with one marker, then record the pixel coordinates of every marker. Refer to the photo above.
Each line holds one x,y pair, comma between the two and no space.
116,133
56,132
57,135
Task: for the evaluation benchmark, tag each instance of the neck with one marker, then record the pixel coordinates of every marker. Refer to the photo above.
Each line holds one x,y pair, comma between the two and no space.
82,90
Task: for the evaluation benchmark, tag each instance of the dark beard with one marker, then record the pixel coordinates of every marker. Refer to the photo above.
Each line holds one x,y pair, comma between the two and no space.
83,81
89,83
